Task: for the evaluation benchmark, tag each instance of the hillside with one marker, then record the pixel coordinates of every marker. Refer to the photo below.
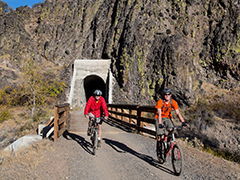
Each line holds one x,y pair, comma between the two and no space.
190,46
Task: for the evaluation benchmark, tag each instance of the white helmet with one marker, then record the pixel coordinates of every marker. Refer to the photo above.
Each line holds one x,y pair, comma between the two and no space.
97,92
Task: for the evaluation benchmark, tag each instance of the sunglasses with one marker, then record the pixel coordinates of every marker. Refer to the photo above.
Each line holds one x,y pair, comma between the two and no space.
167,94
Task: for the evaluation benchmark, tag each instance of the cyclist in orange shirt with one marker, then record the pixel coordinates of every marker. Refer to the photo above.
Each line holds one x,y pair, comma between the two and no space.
163,115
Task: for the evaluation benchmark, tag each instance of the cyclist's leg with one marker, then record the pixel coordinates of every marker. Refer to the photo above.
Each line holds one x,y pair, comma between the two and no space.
160,133
169,124
99,133
91,119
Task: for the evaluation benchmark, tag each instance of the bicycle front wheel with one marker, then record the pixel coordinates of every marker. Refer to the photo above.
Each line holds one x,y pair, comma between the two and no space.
95,138
177,160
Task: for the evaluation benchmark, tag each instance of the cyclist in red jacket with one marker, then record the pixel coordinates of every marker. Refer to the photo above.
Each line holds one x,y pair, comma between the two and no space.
95,106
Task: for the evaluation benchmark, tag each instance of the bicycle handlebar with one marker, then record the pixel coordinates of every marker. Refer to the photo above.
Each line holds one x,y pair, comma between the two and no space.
175,128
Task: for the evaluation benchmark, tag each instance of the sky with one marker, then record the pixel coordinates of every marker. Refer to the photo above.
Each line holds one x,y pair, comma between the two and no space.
17,3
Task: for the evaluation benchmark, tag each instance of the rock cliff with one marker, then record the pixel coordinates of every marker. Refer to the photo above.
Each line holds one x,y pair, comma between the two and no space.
153,44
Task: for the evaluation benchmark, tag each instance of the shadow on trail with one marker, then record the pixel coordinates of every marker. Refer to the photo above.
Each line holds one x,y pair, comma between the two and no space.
80,140
118,125
123,149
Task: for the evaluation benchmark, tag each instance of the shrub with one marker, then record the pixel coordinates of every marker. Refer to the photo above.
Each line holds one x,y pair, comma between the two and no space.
4,115
200,111
223,154
227,109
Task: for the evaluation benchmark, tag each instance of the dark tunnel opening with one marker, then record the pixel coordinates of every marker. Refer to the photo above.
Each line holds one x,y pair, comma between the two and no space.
91,83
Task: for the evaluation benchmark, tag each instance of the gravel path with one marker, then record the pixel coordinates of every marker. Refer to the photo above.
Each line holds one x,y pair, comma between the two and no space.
123,155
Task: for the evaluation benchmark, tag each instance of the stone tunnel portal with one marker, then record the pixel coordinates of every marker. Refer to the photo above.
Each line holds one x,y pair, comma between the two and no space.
91,83
89,75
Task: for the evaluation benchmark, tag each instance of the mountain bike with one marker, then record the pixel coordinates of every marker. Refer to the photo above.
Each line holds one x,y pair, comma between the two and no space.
169,146
94,134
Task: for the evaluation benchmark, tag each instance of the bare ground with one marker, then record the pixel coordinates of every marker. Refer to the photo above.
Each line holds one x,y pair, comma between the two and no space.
123,155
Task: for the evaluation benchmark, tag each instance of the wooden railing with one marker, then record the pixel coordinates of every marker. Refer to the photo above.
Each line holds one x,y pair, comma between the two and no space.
133,116
61,119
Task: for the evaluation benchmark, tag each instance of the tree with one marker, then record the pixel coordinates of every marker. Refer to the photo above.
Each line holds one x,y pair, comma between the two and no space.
38,4
3,7
37,87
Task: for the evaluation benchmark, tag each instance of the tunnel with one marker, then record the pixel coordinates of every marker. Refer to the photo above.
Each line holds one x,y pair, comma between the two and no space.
86,78
93,82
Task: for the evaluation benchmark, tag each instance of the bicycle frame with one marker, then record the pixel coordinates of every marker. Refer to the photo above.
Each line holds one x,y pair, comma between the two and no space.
94,134
172,142
94,125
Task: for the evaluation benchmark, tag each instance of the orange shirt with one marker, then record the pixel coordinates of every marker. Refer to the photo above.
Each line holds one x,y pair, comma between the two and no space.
166,111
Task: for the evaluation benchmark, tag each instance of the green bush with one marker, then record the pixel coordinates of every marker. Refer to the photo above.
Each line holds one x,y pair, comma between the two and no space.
4,115
223,154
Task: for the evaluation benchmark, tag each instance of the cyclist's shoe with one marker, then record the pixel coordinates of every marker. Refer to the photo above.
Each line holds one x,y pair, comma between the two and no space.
89,131
99,143
159,156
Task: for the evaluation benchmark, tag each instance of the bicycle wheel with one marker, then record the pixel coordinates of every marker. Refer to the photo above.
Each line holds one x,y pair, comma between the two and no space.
161,153
177,159
95,138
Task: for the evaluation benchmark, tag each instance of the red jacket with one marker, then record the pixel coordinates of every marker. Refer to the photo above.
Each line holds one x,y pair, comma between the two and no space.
96,107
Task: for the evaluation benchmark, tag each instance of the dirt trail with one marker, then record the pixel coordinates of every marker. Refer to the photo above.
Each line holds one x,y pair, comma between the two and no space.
123,155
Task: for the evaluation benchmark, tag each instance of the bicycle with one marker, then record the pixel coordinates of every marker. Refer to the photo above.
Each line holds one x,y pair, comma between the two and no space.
169,146
94,134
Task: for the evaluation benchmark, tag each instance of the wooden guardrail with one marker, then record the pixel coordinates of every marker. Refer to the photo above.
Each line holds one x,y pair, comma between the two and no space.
133,116
61,118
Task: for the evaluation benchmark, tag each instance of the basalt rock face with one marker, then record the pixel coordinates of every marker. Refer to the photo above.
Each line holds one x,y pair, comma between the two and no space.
153,44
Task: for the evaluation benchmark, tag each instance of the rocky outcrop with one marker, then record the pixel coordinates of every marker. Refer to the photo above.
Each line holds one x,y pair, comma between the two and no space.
152,44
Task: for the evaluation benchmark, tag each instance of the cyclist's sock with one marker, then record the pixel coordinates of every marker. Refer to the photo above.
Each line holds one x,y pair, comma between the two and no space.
159,144
99,138
168,139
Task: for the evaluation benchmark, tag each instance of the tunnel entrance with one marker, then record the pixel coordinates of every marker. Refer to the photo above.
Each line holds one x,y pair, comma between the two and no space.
93,82
86,78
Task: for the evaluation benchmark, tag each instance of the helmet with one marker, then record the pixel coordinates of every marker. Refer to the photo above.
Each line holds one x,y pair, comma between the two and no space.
167,91
97,92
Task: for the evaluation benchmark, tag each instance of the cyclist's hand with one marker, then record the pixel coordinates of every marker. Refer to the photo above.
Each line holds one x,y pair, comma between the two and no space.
106,117
87,116
184,124
161,126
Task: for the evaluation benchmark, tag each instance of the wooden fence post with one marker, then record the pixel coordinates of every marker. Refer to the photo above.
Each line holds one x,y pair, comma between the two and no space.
116,114
56,123
138,119
130,119
122,118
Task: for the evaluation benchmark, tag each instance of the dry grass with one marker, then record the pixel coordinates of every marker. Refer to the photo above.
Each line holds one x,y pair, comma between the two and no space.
22,164
19,124
216,101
